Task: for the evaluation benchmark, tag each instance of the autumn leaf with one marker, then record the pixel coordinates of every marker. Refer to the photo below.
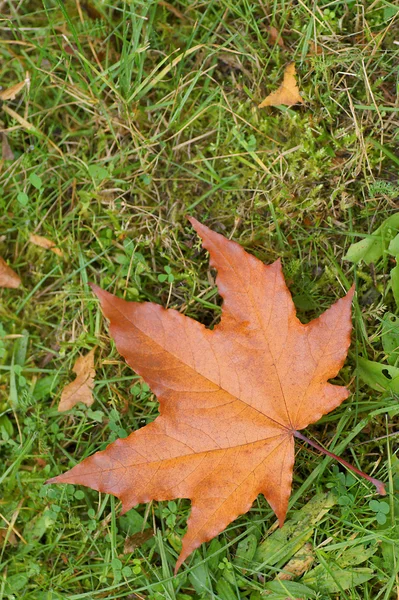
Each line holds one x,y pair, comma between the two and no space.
6,152
8,277
45,243
287,93
275,37
231,399
79,390
136,540
12,92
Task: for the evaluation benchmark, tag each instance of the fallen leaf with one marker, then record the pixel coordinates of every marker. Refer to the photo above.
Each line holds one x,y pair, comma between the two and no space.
7,536
299,563
287,93
136,540
8,277
232,399
315,48
12,92
45,243
41,463
275,36
79,390
6,152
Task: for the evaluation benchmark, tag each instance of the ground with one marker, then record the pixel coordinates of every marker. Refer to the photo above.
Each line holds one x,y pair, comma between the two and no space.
135,115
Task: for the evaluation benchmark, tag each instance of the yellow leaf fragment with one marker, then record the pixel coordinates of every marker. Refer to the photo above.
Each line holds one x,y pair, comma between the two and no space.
45,243
79,390
12,92
299,563
288,92
8,277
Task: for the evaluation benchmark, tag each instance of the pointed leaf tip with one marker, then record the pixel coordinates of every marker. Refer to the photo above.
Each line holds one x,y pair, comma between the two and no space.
197,225
191,218
95,288
100,293
351,291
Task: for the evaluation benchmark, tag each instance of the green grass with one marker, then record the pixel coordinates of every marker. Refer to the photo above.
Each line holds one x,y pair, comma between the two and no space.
137,114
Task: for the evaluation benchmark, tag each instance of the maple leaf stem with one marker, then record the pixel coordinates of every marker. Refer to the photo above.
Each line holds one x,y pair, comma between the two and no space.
378,484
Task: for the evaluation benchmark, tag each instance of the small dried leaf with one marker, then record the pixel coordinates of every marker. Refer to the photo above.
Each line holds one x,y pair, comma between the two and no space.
7,536
172,9
43,242
80,390
6,152
8,277
275,36
12,92
315,49
136,540
288,92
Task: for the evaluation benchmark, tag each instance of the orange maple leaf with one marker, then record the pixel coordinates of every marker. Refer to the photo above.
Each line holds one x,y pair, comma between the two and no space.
231,399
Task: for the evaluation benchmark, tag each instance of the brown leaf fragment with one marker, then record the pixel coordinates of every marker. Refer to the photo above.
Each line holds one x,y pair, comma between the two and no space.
45,243
175,11
6,152
288,92
80,390
92,12
275,37
299,563
136,540
12,92
315,48
41,463
8,277
7,536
